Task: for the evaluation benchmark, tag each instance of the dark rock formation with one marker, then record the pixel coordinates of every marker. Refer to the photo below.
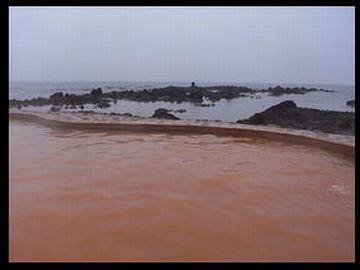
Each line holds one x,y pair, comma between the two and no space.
279,91
351,103
122,114
180,111
126,114
287,114
204,104
103,104
57,96
54,109
193,94
96,92
88,112
164,114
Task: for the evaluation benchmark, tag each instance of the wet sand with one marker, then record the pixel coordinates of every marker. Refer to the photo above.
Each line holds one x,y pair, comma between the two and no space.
121,196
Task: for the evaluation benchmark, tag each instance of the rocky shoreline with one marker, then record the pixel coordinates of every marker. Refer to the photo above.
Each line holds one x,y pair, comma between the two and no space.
288,114
103,122
284,115
193,94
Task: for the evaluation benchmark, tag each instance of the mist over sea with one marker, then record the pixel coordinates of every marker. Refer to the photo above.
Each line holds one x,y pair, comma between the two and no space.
223,110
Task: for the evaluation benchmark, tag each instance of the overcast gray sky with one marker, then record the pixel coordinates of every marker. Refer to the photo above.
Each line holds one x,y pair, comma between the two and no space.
282,45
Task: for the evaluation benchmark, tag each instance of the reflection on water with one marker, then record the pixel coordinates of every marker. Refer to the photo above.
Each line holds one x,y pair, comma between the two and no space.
119,196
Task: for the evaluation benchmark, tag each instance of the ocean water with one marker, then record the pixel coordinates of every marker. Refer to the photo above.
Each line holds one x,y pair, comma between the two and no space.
224,110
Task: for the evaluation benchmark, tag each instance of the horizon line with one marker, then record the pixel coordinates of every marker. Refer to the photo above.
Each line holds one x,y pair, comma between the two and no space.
178,81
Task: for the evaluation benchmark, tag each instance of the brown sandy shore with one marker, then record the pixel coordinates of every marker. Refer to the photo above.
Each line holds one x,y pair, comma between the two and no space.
344,144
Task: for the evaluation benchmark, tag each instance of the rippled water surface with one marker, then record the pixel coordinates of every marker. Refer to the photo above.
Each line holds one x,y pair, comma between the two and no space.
117,196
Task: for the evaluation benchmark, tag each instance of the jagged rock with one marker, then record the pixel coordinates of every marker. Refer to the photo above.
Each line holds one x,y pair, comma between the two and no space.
96,92
287,114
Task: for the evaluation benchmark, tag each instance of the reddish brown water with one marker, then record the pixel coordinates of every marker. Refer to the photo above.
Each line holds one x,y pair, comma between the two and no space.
93,196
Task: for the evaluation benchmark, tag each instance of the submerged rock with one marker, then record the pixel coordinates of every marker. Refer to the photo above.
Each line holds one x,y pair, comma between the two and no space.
204,104
162,113
87,112
287,114
180,111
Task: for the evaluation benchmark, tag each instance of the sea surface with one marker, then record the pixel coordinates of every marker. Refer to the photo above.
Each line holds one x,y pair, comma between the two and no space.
122,196
224,110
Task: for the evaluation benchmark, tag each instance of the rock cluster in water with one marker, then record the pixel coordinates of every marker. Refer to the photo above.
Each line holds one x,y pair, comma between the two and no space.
287,114
194,94
279,91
